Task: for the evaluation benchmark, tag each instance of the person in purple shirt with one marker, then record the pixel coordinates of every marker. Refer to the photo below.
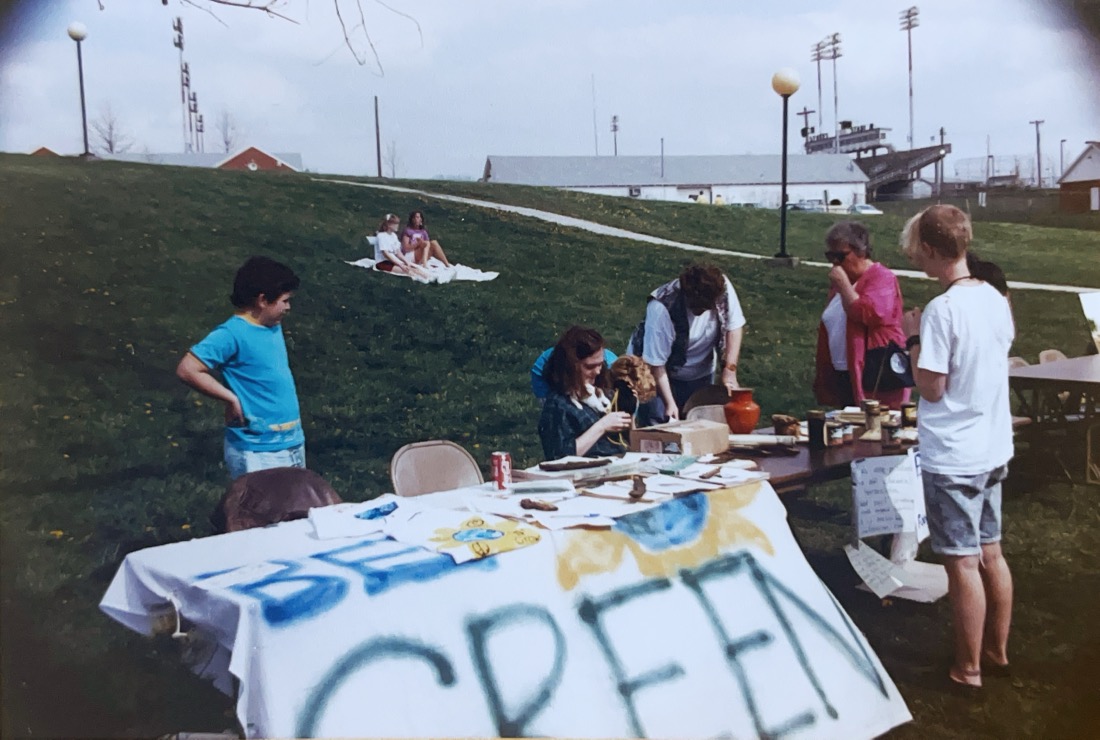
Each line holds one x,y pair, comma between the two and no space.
417,246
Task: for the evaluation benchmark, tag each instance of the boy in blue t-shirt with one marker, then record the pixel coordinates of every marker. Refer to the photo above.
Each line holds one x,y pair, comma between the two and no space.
263,426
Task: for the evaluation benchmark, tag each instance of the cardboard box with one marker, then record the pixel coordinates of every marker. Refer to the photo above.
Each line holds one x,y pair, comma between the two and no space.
694,437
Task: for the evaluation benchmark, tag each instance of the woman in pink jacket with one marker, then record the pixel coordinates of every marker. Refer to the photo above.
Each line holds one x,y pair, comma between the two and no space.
863,311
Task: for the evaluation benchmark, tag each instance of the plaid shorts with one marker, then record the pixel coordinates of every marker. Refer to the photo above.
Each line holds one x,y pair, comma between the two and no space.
964,511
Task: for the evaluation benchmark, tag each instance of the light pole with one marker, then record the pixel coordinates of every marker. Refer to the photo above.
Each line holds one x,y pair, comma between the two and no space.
832,51
1061,158
185,77
817,52
77,32
910,20
615,133
1038,155
785,83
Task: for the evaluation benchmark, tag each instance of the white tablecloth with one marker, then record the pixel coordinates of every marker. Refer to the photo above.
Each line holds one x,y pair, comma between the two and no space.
698,617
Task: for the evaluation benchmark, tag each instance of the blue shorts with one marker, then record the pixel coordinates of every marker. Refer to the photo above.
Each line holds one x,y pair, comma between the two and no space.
241,461
964,511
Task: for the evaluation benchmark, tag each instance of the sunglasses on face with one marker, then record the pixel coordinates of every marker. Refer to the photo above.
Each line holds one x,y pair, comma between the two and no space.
836,257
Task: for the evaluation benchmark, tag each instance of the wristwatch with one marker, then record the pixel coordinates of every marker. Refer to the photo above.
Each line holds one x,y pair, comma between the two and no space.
912,341
731,366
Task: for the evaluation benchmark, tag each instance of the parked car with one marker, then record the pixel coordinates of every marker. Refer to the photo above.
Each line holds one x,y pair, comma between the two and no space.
813,206
865,209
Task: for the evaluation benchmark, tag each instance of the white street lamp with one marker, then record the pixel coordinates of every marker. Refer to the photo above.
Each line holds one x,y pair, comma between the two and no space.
77,32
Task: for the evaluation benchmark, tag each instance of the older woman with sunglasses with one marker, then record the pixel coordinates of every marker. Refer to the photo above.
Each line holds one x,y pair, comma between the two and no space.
863,311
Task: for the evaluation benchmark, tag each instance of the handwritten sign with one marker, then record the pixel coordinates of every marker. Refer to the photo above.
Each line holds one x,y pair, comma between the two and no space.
888,497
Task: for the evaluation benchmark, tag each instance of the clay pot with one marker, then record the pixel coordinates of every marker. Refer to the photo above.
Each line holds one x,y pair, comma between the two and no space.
742,412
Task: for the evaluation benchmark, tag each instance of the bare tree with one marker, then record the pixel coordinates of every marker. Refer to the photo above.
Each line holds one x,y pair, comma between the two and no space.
111,137
390,160
351,28
229,131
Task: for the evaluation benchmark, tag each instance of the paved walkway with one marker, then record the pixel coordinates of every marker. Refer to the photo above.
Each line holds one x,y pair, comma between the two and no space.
597,228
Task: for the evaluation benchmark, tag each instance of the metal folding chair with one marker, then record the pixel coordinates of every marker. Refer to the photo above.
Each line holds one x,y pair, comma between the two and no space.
435,465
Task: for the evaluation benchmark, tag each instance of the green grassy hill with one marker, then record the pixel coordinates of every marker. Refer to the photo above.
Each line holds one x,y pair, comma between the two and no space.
110,271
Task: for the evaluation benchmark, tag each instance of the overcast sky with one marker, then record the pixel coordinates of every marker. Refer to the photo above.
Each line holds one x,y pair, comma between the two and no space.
515,77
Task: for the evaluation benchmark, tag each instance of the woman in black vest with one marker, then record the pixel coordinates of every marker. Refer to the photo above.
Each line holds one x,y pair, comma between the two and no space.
688,322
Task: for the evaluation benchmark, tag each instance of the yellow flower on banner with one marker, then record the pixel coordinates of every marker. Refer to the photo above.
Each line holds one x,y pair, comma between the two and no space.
682,533
484,539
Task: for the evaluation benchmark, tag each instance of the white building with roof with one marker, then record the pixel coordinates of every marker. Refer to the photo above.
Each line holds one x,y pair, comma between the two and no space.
1079,187
752,179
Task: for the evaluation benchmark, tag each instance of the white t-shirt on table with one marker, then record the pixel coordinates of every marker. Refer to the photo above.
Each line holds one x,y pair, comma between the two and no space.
702,336
966,334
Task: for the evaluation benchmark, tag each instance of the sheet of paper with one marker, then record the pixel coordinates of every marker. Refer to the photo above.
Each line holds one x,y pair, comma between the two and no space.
511,506
728,474
923,582
875,570
657,487
888,496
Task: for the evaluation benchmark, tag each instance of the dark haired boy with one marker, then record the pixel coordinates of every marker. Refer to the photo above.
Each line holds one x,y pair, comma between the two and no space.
263,426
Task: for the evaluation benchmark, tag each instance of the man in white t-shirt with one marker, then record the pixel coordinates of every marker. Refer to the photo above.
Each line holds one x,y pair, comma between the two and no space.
959,349
688,322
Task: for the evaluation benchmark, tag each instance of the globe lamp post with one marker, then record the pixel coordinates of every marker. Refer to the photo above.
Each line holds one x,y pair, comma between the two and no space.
785,83
77,32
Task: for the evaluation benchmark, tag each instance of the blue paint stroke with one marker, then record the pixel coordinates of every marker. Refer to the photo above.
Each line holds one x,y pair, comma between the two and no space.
477,533
672,524
378,511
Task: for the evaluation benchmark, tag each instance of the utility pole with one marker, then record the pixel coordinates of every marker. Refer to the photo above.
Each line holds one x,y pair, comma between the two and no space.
595,132
615,133
377,138
1061,158
817,52
192,110
939,165
805,113
910,20
1038,155
185,75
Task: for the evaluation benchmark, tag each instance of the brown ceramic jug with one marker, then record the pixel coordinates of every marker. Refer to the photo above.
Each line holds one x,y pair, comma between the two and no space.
742,412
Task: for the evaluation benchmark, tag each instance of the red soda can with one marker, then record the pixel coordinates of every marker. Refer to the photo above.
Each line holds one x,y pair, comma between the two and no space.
501,463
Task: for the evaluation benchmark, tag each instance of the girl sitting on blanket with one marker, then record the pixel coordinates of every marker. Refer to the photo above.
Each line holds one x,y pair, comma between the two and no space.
417,246
388,255
577,417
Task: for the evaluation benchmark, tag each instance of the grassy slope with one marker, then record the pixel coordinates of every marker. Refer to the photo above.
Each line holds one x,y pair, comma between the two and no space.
110,271
1025,252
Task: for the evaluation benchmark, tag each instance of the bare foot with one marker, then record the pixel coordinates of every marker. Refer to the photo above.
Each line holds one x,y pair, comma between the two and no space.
972,679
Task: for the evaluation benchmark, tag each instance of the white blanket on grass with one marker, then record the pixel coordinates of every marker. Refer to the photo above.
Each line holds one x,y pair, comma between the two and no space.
438,272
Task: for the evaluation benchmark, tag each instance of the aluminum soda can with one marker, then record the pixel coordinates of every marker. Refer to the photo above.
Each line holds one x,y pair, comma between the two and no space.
501,463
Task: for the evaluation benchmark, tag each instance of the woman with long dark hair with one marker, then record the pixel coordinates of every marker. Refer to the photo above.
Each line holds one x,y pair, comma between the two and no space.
577,418
417,245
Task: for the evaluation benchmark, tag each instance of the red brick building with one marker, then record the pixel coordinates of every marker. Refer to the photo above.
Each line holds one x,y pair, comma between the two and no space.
254,159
